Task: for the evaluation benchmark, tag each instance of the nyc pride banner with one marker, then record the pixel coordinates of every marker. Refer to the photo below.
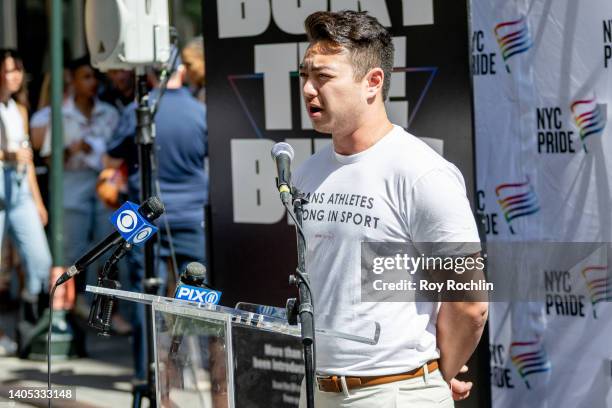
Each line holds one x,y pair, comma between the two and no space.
542,77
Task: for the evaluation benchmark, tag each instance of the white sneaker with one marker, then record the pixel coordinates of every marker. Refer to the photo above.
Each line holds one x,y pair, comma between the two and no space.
7,346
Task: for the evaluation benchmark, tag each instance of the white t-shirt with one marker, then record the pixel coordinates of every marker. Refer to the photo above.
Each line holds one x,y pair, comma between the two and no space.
13,122
398,190
96,131
41,117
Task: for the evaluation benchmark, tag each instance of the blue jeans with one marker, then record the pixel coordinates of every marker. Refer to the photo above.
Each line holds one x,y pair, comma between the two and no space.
189,246
86,222
82,230
18,216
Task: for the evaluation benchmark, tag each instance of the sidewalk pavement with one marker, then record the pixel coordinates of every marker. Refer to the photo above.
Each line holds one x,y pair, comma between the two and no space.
101,380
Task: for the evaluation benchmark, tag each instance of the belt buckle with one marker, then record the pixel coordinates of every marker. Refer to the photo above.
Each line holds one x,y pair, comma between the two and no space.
337,383
321,377
333,379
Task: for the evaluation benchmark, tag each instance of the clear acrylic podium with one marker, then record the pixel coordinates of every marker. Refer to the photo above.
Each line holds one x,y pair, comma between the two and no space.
219,357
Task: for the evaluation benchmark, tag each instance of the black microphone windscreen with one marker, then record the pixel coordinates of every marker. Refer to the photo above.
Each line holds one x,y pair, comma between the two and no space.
152,208
195,274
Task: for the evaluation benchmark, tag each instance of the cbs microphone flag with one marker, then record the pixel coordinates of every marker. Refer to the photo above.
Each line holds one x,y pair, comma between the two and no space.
132,226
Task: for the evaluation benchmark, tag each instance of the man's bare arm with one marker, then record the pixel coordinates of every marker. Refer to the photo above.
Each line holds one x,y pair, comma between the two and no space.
458,330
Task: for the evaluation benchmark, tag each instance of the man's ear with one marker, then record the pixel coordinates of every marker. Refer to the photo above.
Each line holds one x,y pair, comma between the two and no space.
374,82
181,71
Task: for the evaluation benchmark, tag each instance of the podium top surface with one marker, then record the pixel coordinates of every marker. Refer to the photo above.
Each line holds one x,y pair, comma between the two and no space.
236,316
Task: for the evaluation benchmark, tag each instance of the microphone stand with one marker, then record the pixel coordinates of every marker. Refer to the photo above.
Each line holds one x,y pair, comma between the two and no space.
305,308
145,141
101,311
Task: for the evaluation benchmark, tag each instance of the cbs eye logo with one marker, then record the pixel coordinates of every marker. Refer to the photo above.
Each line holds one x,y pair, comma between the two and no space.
127,221
131,225
143,235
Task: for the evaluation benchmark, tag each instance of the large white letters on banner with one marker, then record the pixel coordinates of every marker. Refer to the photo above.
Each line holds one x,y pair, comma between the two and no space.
398,110
255,196
289,16
275,62
418,12
246,18
239,18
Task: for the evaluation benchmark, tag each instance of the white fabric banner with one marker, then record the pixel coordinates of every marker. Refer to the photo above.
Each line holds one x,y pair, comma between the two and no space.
542,75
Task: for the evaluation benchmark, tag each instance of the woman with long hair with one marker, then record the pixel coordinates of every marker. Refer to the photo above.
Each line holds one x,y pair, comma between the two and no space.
22,212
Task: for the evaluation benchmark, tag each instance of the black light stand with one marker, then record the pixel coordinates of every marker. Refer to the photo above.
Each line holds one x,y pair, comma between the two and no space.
304,307
145,141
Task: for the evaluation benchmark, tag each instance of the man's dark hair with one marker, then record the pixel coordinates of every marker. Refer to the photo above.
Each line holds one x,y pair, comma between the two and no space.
77,63
368,42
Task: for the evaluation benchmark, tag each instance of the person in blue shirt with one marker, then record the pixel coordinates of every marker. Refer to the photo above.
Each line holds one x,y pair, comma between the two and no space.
181,145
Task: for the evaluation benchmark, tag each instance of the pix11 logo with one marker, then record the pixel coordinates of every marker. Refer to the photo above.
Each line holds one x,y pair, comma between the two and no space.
517,200
590,117
529,358
596,278
513,38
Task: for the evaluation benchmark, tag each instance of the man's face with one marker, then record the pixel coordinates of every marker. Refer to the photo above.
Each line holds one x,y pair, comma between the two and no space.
84,82
12,76
122,80
196,69
333,98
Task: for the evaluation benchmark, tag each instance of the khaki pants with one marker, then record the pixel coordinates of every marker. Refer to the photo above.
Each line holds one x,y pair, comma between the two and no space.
427,391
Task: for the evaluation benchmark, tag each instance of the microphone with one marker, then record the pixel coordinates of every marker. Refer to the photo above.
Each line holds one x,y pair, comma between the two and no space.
192,284
194,275
101,312
282,154
126,220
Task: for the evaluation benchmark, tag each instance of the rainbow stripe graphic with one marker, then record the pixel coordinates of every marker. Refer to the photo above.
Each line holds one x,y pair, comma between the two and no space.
596,278
529,358
517,200
589,117
513,38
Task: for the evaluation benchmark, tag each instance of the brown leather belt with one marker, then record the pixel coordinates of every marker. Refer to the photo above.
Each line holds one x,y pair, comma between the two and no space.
333,383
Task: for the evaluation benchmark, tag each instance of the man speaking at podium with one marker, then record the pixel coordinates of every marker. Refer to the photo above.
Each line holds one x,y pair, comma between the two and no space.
407,193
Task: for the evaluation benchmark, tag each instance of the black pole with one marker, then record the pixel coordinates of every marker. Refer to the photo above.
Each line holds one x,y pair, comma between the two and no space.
145,139
57,138
306,310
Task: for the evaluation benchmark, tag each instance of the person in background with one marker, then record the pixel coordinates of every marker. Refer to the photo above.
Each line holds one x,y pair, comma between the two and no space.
193,60
41,118
119,89
88,125
182,145
22,212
